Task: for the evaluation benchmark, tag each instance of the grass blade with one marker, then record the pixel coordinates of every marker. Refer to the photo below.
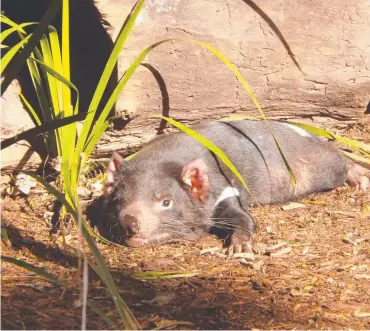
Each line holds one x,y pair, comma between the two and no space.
253,98
46,127
357,145
16,65
126,315
57,60
39,89
365,161
50,81
98,131
131,70
37,270
121,40
235,71
6,20
51,278
60,77
30,109
69,132
19,28
121,84
65,51
51,139
11,54
210,145
66,82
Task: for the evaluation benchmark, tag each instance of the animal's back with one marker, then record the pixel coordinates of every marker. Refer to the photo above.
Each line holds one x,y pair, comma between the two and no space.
316,164
176,188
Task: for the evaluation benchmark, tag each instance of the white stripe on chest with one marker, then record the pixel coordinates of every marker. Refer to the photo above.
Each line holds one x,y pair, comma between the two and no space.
297,129
228,192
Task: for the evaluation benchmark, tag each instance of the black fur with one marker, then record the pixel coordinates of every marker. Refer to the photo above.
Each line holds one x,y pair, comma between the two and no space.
155,173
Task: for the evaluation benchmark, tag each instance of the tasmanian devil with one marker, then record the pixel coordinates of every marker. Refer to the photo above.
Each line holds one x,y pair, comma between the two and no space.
175,188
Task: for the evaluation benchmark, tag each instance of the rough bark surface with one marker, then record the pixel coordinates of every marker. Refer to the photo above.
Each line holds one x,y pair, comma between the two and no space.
329,40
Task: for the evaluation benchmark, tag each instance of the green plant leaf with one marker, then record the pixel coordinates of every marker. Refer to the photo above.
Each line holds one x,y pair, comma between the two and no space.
68,136
131,70
49,79
35,117
19,28
37,270
57,62
210,145
47,126
358,159
118,45
235,71
5,60
6,20
57,75
65,51
16,65
126,315
121,84
51,139
253,98
357,145
94,139
51,278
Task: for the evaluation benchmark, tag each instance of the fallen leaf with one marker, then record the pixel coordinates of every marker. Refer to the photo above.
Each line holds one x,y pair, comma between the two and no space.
275,247
293,205
359,313
281,252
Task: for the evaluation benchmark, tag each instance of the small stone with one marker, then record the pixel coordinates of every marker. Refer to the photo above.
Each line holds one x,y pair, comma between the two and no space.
351,201
330,280
270,229
281,252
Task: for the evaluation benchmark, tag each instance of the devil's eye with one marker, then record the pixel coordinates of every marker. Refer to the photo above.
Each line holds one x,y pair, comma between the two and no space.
167,203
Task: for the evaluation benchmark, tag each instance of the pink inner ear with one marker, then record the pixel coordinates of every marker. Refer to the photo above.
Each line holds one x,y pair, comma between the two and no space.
113,166
195,175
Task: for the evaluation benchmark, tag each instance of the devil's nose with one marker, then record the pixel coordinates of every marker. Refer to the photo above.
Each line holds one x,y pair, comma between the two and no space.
130,224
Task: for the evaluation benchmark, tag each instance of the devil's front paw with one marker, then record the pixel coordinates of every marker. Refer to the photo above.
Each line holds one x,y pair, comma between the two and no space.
239,242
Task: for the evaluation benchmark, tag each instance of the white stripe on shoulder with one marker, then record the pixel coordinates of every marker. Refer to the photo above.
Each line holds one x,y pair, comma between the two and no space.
228,192
299,130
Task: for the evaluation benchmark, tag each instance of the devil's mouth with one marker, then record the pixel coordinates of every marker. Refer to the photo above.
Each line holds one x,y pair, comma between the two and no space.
140,239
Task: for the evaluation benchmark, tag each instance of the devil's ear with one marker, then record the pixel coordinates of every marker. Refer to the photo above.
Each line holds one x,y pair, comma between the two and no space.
113,165
195,175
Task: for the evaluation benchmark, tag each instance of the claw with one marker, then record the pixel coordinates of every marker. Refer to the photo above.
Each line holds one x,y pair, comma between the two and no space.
364,183
239,245
358,176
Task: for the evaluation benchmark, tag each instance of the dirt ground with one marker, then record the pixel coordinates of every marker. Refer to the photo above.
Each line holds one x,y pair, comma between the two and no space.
312,271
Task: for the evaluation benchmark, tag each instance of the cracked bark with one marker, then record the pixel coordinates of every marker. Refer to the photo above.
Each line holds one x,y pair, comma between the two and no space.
327,40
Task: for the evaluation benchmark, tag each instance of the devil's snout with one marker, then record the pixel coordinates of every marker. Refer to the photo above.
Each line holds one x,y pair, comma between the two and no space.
130,225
